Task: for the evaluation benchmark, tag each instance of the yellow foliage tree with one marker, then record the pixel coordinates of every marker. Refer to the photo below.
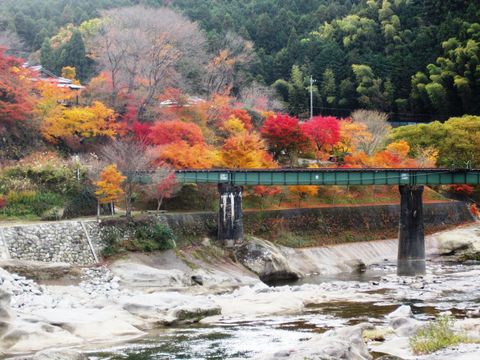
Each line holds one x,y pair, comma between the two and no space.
351,134
83,122
400,148
69,72
234,126
52,100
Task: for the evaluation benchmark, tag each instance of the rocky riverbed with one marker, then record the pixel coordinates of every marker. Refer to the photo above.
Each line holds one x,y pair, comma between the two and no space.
144,302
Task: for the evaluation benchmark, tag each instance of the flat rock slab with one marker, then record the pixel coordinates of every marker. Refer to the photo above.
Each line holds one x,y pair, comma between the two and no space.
40,271
137,275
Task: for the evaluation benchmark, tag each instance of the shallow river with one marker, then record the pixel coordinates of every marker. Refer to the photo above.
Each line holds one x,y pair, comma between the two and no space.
448,287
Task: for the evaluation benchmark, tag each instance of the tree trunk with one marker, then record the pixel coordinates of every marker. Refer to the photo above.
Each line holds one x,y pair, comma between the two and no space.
98,210
159,203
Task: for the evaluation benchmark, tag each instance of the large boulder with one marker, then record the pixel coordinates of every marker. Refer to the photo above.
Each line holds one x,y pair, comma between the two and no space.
136,275
346,344
167,308
30,336
266,260
93,325
465,242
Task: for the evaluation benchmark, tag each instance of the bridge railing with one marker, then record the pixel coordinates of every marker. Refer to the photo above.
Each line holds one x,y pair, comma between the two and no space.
331,176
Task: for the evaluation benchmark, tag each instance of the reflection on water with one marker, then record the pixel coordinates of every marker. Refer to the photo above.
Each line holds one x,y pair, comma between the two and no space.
235,339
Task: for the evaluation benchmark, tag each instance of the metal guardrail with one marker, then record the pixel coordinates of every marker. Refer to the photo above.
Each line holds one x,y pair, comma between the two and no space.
330,176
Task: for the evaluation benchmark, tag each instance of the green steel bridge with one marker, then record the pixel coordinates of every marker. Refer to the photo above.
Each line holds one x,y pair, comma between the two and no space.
331,176
411,182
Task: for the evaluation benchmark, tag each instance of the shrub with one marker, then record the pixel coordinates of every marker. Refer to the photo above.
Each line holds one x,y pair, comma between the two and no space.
82,203
144,236
52,214
111,237
42,172
26,203
156,237
436,335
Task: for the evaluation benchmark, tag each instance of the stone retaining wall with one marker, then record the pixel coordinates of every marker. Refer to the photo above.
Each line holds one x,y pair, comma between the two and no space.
49,242
67,241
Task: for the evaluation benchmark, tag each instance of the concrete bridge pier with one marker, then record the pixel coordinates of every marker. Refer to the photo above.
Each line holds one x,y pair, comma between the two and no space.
411,238
230,215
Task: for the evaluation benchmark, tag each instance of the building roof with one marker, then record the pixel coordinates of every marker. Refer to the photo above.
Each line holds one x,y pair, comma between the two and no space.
46,75
191,100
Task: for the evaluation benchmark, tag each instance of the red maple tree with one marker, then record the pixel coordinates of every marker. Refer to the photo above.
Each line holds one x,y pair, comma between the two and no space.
15,99
285,136
167,132
324,132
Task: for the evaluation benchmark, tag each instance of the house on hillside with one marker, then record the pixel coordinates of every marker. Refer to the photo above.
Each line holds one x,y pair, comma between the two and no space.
42,74
189,101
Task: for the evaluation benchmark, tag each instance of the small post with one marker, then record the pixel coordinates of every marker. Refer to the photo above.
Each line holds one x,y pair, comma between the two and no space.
230,215
411,237
311,96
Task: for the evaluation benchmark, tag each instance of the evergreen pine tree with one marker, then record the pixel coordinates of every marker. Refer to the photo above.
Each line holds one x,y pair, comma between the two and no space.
47,56
73,54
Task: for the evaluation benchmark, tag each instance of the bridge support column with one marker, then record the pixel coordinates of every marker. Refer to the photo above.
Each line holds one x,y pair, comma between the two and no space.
411,238
230,215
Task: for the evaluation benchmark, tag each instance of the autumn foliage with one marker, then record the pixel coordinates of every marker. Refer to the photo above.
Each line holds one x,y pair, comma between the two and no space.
15,97
463,189
284,135
83,122
109,187
245,151
183,156
323,132
474,210
167,132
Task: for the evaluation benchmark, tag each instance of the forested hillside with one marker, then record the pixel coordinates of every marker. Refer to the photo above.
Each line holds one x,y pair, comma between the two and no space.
403,56
164,85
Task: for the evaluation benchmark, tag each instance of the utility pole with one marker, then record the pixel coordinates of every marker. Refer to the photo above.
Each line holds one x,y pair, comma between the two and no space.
312,81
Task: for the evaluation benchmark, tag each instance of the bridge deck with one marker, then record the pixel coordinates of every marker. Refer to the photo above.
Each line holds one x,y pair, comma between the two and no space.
331,176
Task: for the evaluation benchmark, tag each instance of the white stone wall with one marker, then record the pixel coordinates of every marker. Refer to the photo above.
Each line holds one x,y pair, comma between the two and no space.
50,242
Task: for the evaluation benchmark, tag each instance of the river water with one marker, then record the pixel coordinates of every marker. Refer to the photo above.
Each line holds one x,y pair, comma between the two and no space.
448,287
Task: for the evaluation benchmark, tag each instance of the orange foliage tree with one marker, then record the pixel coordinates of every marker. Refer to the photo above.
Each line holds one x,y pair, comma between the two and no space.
184,156
245,151
396,155
109,187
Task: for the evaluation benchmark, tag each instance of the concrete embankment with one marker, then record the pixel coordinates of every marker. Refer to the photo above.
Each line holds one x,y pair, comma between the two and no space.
81,242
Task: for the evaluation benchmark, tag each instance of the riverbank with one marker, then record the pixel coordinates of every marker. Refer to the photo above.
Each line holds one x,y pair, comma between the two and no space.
128,298
83,241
